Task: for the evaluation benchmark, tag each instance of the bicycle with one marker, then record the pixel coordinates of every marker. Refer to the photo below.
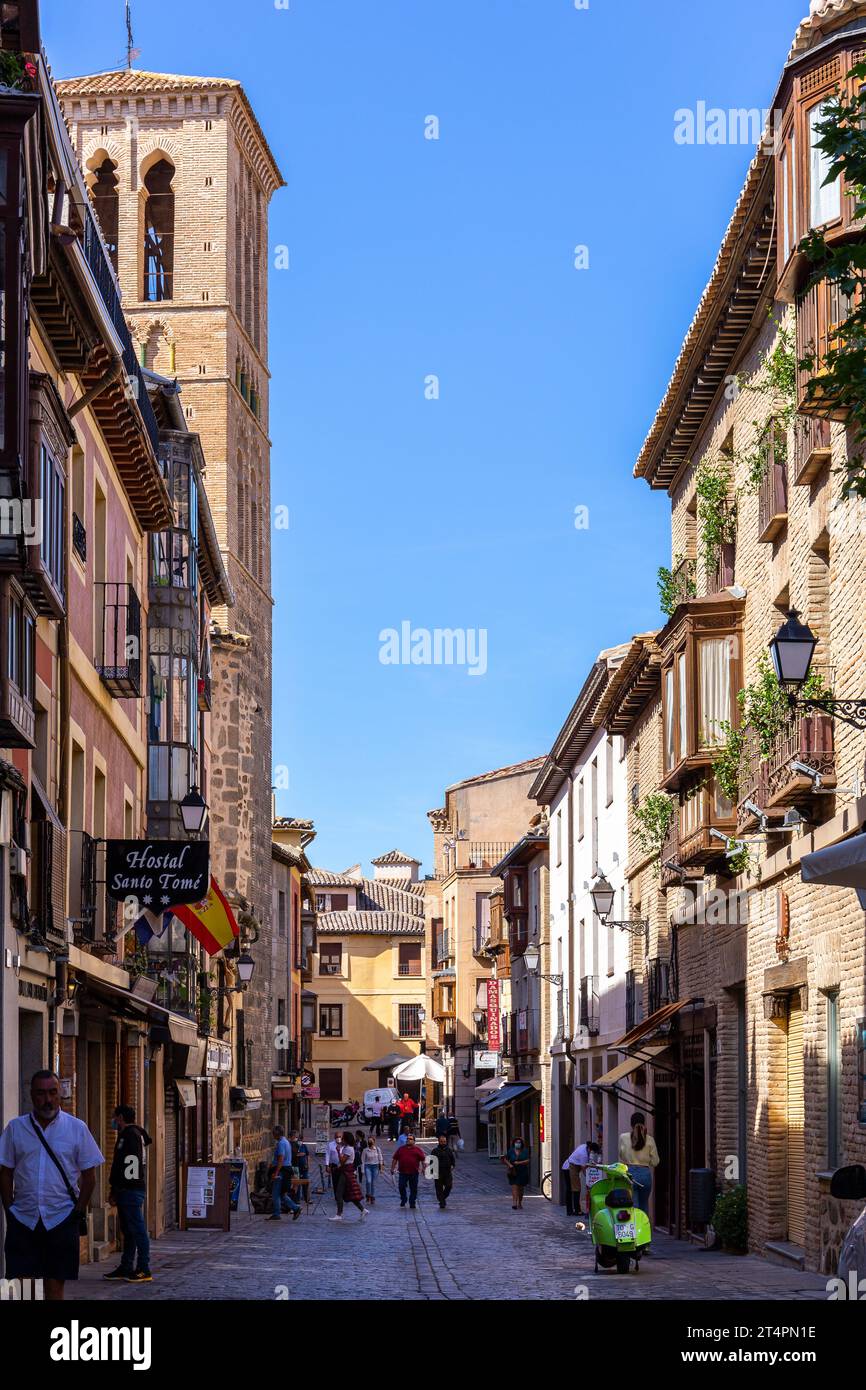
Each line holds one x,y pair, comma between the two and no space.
547,1187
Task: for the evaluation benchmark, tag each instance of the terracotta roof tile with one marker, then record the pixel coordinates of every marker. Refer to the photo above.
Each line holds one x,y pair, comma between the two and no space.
369,923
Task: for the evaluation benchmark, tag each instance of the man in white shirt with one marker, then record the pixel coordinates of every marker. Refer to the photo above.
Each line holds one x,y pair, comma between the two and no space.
43,1206
575,1166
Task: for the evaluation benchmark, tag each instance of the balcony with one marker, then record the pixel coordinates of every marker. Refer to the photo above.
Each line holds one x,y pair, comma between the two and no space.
771,783
631,998
702,808
205,694
443,1001
721,574
683,584
79,538
821,311
47,875
589,1015
442,950
812,448
773,491
17,667
118,639
660,983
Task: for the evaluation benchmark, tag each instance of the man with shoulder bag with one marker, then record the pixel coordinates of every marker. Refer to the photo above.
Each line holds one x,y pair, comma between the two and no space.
48,1162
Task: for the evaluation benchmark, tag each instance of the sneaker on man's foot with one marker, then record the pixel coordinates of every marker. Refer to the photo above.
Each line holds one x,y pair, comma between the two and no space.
275,1218
335,1218
118,1275
364,1212
296,1213
141,1276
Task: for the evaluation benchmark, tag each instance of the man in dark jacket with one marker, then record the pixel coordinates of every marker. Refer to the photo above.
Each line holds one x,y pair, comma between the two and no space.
445,1161
128,1192
442,1123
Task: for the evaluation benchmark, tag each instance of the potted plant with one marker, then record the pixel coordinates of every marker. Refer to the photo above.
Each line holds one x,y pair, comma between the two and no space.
731,1220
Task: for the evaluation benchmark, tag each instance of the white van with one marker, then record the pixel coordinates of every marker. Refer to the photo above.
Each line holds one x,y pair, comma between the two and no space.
384,1095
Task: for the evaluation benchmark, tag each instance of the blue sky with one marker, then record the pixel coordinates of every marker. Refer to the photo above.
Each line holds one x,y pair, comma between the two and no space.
412,257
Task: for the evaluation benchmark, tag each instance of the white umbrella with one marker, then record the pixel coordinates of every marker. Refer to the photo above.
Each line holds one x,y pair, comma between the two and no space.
420,1068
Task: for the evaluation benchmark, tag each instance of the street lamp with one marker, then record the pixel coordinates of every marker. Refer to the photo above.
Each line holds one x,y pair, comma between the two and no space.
532,960
602,900
193,810
791,651
246,968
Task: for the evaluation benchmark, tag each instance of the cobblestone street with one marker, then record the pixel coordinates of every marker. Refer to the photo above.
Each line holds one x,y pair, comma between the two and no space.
478,1249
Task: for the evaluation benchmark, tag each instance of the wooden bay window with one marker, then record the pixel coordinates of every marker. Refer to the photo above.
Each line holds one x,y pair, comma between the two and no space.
700,680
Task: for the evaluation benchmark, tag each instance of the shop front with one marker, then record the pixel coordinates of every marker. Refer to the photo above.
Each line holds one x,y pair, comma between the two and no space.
510,1112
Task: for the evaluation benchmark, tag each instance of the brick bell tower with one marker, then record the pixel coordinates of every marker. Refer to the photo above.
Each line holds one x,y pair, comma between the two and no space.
181,177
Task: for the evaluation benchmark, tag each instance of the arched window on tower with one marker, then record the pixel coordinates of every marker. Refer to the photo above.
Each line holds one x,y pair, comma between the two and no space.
253,564
241,516
105,201
159,233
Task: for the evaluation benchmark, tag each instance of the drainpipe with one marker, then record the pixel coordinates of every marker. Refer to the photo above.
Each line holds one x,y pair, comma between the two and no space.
114,371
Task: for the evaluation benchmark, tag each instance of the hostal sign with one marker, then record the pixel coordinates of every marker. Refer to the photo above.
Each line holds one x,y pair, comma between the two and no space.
160,873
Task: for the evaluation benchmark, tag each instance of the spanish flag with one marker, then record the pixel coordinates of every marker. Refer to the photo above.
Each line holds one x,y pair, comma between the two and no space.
211,922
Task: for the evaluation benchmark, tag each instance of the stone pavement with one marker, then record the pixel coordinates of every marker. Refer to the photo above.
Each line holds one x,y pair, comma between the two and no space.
477,1249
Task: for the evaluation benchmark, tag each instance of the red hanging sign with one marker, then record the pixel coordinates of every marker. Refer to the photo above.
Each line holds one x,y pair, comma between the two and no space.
493,1040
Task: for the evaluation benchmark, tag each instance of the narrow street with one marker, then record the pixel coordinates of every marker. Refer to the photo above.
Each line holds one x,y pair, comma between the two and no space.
478,1249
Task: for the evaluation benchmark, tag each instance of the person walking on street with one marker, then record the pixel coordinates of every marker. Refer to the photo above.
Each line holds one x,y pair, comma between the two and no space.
442,1124
360,1146
455,1141
445,1162
376,1116
127,1191
408,1159
335,1168
300,1154
48,1163
282,1179
394,1115
374,1163
517,1160
351,1191
638,1150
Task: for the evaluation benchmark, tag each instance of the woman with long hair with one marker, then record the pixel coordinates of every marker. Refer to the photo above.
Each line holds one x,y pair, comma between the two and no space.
351,1191
638,1150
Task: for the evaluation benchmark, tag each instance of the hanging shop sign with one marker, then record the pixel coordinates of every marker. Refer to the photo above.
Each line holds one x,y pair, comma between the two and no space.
160,873
493,1039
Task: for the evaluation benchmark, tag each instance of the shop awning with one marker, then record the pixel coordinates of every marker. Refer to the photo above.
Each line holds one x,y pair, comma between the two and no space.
649,1025
186,1092
282,1091
630,1065
487,1088
387,1063
180,1030
507,1095
843,865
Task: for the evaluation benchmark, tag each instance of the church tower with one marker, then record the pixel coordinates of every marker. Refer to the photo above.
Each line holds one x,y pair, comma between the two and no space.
181,178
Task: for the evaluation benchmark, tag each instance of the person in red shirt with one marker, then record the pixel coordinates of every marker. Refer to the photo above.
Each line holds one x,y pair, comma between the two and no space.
409,1159
407,1107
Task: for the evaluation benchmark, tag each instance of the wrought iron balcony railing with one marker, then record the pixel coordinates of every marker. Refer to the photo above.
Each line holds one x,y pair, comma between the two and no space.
118,639
772,782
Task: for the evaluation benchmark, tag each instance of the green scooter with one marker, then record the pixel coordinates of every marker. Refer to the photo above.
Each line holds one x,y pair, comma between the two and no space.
620,1231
